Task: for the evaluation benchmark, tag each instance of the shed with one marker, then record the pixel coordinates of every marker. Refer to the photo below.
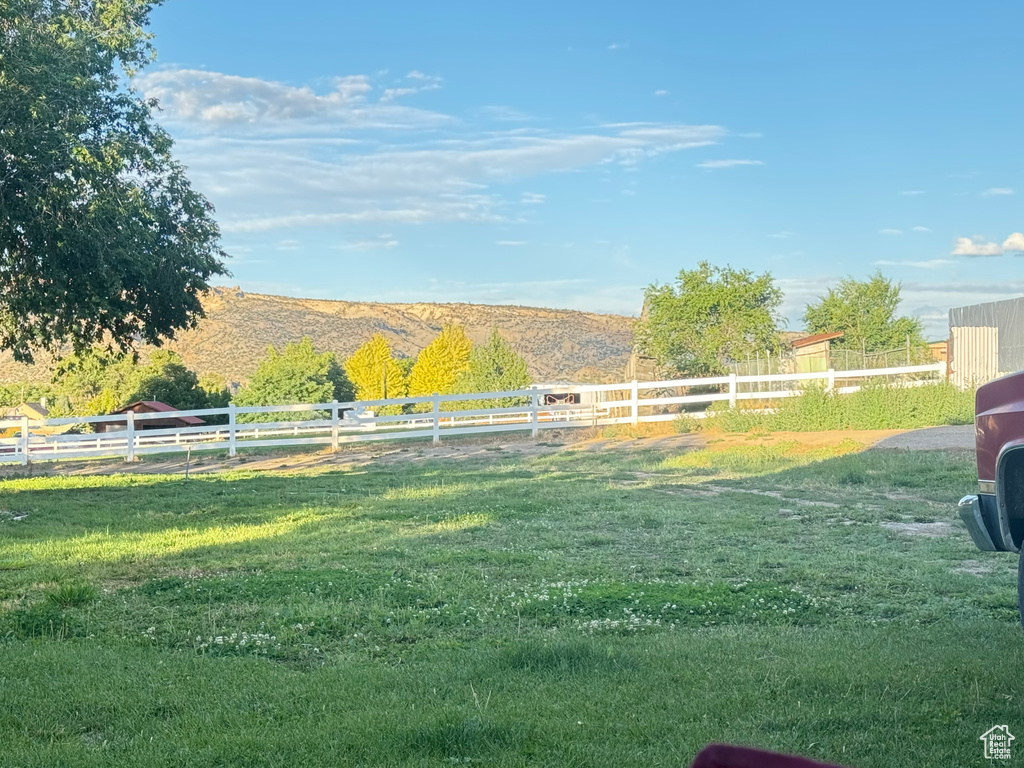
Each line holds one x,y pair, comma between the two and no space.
811,353
35,411
150,406
986,341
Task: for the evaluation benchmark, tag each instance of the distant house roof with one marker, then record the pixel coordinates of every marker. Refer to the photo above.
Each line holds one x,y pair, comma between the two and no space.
153,406
32,410
817,338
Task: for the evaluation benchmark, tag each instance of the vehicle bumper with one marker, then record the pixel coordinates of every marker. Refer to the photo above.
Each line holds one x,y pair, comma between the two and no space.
981,516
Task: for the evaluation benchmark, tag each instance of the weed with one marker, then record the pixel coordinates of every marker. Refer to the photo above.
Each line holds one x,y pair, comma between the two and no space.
874,406
72,595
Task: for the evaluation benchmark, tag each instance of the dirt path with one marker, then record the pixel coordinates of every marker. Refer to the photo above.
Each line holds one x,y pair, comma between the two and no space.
585,440
298,459
931,439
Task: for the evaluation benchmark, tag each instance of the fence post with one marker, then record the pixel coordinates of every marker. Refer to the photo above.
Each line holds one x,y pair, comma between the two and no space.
634,402
334,426
24,440
232,432
831,379
129,454
534,415
732,390
436,411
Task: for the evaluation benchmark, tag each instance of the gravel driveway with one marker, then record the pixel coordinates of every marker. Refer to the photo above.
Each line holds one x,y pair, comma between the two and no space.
931,439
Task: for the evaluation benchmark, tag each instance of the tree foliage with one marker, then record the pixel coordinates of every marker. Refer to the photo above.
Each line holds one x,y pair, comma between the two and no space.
866,313
102,238
165,378
96,382
298,374
375,374
710,316
439,365
494,367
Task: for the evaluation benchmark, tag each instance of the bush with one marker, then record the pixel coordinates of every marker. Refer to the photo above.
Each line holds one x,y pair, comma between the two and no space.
299,374
875,406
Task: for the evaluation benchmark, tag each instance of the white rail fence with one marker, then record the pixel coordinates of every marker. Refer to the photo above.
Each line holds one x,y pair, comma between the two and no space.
332,424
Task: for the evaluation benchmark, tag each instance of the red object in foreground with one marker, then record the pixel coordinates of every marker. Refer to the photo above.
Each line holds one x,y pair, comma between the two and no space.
724,756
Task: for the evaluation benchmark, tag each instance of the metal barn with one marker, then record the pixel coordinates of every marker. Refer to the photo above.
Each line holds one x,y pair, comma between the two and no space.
986,341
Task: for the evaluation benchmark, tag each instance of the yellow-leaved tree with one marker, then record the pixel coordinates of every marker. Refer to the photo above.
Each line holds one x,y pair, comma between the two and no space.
375,375
441,363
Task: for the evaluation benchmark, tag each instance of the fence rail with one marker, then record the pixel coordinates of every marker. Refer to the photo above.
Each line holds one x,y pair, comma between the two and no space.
334,424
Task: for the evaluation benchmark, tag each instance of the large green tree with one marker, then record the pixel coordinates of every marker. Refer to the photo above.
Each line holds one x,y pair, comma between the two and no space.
95,381
101,235
298,374
712,315
164,377
867,313
494,367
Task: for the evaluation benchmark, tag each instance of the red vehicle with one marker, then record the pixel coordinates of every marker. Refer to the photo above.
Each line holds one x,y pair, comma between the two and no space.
995,516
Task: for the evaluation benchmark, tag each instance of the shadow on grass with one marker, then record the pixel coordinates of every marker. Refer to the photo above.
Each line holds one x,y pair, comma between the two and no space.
466,738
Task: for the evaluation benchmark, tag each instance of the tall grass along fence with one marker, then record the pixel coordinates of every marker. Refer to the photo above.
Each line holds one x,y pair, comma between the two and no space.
332,424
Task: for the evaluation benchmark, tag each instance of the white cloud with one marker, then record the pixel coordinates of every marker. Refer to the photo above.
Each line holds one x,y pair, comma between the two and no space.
274,156
510,243
452,211
921,229
997,191
208,99
978,246
288,245
727,163
912,192
968,246
1014,242
259,184
661,93
417,75
890,231
781,235
617,46
383,242
929,264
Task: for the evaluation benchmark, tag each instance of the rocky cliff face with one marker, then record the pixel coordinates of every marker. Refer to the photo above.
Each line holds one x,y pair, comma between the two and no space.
239,326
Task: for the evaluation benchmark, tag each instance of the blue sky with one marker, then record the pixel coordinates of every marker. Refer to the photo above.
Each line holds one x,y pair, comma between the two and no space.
570,154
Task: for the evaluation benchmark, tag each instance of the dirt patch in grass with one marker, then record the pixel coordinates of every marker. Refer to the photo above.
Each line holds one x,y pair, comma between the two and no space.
775,495
513,445
297,460
972,567
805,441
927,530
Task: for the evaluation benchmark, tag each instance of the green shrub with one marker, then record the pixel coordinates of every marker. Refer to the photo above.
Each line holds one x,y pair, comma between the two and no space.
875,406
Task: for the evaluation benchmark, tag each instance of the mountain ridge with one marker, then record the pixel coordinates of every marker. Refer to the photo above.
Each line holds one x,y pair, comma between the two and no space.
558,344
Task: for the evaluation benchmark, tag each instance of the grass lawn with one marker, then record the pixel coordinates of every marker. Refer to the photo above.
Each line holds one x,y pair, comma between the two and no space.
613,608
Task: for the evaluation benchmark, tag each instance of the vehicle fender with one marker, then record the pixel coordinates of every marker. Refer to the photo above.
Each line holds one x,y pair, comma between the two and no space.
1001,493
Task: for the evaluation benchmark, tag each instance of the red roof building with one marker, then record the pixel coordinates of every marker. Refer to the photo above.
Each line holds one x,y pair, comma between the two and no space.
149,406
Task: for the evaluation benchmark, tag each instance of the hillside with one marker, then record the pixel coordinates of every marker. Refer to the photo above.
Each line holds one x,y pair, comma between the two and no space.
557,344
